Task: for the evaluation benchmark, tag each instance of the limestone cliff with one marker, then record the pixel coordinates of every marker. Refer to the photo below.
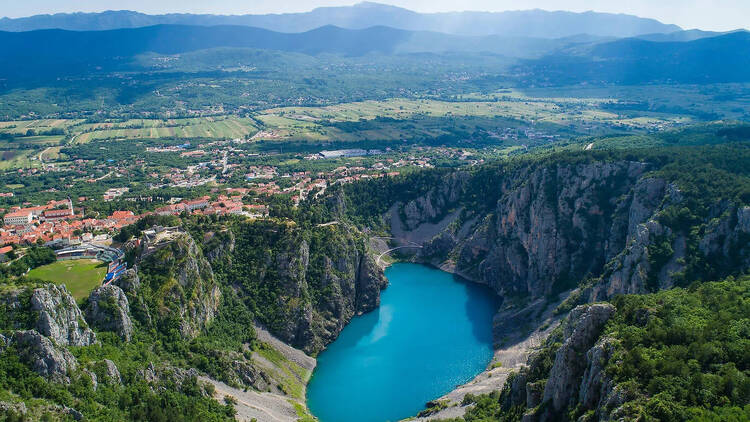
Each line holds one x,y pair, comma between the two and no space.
566,370
46,358
586,230
183,288
59,318
318,279
545,228
109,310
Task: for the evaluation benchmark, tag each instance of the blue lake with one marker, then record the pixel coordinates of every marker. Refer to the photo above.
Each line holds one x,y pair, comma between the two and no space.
433,331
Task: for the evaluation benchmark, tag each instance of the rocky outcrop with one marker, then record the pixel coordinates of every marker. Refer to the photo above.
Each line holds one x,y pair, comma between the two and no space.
43,356
369,282
727,239
218,246
583,328
111,372
183,279
130,283
169,377
108,310
436,203
351,278
59,317
576,374
8,408
319,278
596,387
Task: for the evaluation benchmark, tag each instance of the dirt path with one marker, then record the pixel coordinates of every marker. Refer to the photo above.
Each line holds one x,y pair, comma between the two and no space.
250,404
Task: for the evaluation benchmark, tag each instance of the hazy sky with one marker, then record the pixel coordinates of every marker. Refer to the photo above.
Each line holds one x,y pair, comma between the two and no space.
703,14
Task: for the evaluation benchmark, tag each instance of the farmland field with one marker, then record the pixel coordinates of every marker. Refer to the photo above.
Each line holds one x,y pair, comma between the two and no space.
79,276
223,127
17,159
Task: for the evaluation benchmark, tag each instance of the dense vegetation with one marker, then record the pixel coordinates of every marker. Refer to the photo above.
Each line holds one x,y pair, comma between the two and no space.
681,354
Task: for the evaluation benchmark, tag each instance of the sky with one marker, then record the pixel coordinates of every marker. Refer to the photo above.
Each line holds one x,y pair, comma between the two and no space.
716,15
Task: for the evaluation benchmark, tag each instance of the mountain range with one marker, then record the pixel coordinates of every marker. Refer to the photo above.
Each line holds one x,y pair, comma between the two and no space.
547,47
528,23
719,59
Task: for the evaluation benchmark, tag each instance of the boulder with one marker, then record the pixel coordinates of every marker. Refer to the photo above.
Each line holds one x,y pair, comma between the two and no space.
111,373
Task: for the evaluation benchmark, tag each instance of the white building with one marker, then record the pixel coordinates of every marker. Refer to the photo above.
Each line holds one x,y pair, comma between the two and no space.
18,218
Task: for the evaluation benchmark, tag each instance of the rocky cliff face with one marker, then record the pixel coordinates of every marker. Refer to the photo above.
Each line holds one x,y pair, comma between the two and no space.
576,374
182,281
342,283
587,231
108,310
555,225
585,323
59,317
43,356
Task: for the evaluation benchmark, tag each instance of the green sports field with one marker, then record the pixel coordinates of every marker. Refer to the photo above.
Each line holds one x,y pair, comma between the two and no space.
79,276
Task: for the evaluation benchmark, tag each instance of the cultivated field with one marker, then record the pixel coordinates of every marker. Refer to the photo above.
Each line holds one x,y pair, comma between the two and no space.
221,127
563,112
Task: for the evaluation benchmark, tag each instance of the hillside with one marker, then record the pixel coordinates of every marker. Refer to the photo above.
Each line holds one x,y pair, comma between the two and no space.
530,23
635,61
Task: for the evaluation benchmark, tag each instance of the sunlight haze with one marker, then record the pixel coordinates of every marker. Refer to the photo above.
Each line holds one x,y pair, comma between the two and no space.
715,15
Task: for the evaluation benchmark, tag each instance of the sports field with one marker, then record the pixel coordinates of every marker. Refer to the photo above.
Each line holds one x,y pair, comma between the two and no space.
79,276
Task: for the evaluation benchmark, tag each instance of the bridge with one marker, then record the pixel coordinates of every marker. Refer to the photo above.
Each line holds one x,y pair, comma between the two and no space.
396,248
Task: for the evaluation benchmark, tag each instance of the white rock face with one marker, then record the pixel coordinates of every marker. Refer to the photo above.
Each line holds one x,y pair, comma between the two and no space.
60,318
43,356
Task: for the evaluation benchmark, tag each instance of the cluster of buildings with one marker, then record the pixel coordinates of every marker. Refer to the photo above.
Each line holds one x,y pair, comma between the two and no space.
52,211
343,153
223,205
57,221
114,193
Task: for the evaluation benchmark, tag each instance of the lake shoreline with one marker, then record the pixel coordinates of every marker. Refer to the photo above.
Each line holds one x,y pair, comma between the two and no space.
405,339
512,345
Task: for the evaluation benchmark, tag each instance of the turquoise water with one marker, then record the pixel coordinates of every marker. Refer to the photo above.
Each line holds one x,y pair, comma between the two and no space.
433,331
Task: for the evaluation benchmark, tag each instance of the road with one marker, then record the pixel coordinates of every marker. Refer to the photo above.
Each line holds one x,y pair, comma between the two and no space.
41,156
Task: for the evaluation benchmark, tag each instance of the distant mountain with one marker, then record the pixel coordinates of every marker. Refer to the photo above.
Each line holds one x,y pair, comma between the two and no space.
529,23
570,60
103,48
724,58
682,36
55,45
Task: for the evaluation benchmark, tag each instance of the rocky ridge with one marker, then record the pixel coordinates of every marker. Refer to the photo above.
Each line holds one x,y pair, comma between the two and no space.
186,285
581,231
59,317
108,310
555,225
